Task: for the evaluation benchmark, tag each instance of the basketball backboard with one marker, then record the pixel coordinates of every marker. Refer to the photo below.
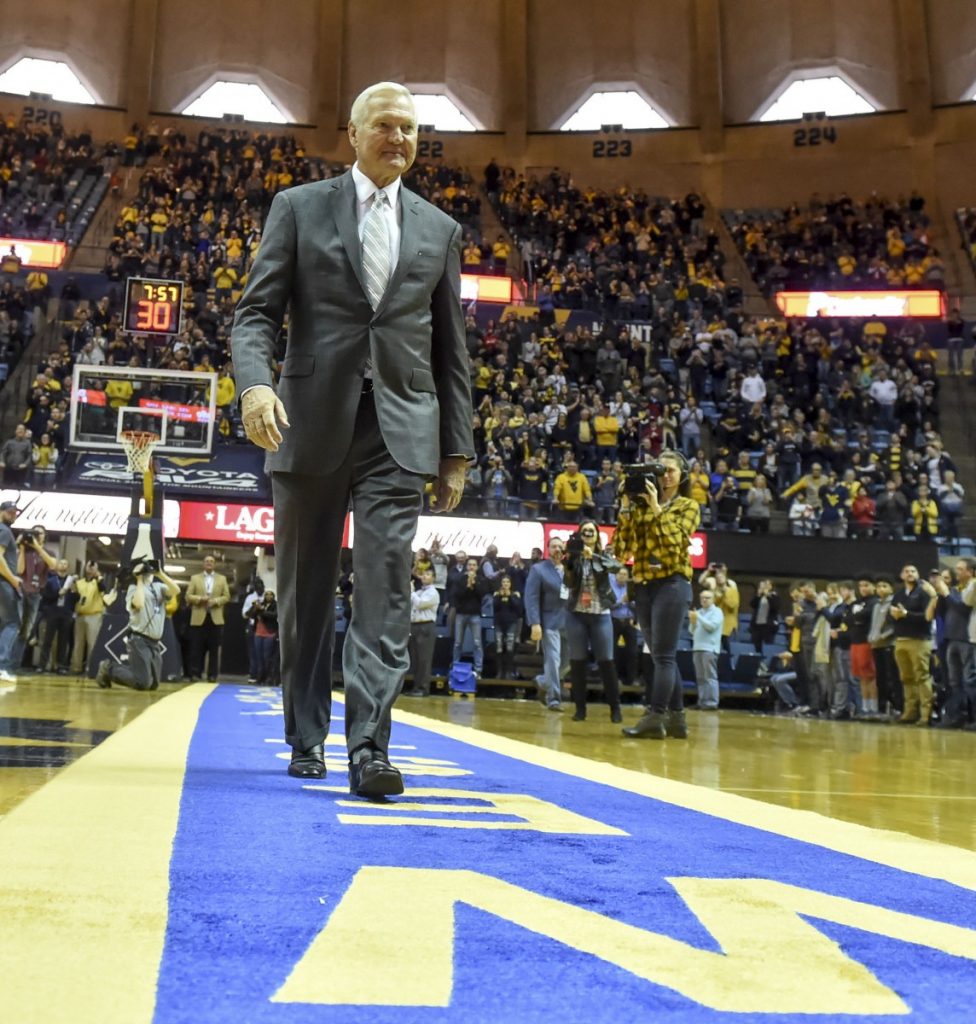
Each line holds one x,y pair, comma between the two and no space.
178,405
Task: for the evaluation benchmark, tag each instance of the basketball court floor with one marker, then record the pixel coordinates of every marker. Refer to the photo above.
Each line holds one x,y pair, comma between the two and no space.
157,864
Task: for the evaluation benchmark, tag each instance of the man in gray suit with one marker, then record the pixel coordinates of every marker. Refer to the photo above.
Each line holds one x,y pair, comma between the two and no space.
375,380
545,613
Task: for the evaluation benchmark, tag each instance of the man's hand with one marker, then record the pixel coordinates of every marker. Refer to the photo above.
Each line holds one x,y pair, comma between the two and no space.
535,634
450,484
262,412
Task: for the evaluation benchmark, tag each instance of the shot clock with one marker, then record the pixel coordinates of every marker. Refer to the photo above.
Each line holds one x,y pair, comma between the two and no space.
153,307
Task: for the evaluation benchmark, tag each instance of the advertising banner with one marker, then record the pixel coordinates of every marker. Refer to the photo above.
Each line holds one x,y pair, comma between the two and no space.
90,514
233,523
237,471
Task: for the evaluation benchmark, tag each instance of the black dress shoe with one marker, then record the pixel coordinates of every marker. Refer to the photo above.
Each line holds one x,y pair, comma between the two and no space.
371,775
307,764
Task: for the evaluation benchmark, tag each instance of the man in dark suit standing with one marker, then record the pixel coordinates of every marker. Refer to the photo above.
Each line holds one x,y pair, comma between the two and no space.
376,382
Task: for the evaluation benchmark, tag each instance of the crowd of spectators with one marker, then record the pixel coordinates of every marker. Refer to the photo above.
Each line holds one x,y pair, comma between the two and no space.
624,254
772,415
838,242
50,181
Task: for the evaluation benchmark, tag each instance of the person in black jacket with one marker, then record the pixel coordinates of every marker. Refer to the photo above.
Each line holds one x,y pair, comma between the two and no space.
765,615
465,598
56,620
588,625
507,606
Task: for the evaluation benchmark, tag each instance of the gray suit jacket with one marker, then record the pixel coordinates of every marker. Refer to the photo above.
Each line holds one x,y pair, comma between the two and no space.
310,258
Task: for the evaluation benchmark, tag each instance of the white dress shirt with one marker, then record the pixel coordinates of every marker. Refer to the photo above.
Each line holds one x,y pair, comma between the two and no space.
365,191
424,603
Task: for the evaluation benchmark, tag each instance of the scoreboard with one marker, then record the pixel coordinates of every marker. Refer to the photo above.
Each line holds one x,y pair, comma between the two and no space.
153,307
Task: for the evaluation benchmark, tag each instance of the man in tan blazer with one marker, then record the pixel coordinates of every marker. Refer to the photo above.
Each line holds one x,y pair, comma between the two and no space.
206,595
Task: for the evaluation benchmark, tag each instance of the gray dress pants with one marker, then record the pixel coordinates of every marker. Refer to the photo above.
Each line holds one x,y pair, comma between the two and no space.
310,512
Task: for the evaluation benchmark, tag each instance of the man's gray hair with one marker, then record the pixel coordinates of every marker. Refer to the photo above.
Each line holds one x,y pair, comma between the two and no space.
359,103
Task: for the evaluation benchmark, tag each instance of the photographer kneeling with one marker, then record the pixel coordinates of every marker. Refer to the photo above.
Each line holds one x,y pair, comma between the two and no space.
588,625
145,600
655,524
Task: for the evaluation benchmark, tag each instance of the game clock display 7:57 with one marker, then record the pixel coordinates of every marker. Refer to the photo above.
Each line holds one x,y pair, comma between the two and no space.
153,307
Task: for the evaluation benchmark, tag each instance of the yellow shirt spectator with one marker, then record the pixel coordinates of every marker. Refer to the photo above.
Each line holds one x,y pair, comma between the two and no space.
571,491
500,250
118,392
607,427
226,390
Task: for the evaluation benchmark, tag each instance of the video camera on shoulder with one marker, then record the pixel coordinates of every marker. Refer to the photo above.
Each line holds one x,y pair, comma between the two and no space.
637,474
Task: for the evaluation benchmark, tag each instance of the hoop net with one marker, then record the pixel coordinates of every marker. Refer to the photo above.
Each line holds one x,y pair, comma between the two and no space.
138,446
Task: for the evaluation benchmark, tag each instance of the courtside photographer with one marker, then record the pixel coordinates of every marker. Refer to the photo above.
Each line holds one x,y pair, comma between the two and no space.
655,524
145,601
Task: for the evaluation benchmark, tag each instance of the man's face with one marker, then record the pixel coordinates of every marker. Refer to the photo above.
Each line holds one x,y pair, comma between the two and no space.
386,140
808,591
209,564
8,515
963,573
884,590
556,550
865,588
460,557
707,599
62,569
909,575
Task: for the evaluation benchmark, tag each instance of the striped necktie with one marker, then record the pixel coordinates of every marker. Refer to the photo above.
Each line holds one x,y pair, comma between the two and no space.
376,248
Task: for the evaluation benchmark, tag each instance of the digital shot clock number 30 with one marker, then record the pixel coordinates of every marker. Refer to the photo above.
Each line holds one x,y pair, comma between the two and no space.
153,307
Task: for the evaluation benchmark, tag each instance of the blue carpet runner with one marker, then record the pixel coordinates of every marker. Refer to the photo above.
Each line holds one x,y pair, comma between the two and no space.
499,890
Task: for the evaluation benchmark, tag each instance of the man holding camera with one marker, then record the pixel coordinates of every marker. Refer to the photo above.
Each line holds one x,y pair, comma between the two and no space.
145,601
656,521
34,562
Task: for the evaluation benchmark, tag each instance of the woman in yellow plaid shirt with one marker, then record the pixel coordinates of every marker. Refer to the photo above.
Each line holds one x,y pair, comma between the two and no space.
655,528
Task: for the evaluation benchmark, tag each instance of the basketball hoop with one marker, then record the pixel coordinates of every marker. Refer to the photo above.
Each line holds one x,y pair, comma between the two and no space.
138,446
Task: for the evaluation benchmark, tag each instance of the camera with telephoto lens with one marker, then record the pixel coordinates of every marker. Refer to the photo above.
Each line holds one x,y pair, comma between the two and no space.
145,567
637,475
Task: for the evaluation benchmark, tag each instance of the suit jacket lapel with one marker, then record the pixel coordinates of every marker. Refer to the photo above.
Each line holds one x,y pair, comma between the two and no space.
347,224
